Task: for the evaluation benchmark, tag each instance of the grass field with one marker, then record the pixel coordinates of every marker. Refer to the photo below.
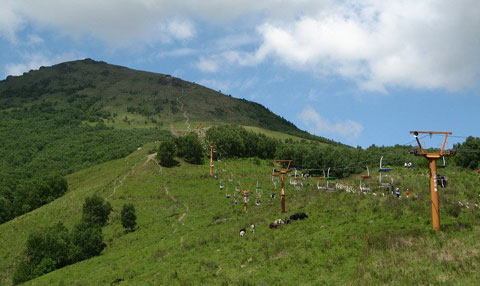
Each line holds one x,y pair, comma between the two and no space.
188,230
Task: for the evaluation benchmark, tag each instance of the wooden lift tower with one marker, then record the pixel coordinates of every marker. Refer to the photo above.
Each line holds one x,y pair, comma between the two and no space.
432,164
282,167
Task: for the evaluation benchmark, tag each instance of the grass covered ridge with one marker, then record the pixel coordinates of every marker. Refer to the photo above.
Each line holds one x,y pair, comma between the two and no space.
188,231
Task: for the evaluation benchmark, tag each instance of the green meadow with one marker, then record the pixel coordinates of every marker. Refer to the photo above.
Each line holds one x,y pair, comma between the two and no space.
188,230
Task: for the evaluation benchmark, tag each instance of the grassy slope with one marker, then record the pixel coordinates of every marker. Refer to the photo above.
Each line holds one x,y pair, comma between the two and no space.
150,96
188,231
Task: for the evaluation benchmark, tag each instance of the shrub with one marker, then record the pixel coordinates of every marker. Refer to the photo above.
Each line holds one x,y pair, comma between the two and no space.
96,210
190,148
128,217
166,153
87,240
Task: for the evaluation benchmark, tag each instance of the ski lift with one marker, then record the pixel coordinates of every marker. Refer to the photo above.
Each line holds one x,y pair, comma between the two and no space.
327,186
383,169
319,187
365,187
384,180
444,164
297,181
442,180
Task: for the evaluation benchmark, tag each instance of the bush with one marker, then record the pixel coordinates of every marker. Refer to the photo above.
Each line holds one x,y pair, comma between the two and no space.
190,148
166,153
87,240
96,211
128,217
46,251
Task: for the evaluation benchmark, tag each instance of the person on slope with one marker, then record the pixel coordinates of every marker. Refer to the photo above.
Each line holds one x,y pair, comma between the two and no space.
397,192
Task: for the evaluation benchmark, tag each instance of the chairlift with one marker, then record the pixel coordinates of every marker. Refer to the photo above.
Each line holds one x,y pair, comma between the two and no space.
328,179
384,169
442,180
365,187
384,180
321,187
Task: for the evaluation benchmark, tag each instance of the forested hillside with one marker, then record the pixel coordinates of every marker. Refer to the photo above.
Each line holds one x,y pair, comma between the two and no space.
139,98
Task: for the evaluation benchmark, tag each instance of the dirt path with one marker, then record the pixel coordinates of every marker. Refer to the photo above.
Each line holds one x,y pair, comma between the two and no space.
119,183
184,112
187,209
150,157
172,129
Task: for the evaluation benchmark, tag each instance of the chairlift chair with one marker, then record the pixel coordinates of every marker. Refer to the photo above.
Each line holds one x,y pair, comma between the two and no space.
328,180
384,180
442,180
258,195
324,186
365,187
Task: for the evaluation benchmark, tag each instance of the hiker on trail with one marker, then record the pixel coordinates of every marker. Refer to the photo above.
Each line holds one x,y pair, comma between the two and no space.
407,192
397,192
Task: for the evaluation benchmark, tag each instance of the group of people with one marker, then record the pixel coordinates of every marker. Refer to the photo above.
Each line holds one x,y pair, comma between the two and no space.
397,192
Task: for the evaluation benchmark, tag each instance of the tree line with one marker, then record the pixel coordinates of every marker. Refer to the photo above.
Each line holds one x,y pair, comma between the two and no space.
44,142
56,246
233,141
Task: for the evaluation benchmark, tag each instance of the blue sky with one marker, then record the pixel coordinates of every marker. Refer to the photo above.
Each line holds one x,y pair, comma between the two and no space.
360,72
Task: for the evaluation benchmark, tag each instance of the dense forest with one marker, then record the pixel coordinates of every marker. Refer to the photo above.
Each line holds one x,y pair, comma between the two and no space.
42,143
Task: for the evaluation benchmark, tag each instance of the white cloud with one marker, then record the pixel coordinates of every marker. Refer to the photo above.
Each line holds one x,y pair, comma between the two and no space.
318,125
128,21
376,43
216,84
381,44
181,30
34,39
10,21
207,65
176,53
35,61
176,29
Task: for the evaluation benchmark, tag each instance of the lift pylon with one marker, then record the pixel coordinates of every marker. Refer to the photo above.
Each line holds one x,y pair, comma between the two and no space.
282,167
432,164
211,146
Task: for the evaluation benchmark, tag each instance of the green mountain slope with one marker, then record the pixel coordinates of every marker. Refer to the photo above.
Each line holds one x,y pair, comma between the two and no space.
139,98
188,230
63,118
